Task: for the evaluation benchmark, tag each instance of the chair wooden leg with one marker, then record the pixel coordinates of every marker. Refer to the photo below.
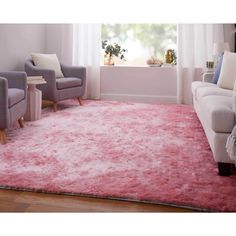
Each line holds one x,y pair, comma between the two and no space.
54,106
21,122
80,103
3,136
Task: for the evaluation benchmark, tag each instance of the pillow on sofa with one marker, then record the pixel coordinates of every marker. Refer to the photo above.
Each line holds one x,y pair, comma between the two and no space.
217,70
228,71
47,61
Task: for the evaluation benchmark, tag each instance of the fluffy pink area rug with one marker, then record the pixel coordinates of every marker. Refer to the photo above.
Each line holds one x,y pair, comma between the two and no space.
140,152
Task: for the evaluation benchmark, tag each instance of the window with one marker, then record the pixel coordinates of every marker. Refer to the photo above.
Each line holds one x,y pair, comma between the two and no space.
141,40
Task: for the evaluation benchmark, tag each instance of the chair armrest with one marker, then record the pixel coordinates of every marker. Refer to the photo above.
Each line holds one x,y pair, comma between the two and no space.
207,77
74,71
3,102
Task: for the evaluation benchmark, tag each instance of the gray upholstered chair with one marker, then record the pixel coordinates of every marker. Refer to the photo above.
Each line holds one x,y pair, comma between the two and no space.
58,89
13,100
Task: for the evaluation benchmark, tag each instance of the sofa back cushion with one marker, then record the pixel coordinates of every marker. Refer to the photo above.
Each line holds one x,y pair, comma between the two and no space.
217,70
228,71
47,61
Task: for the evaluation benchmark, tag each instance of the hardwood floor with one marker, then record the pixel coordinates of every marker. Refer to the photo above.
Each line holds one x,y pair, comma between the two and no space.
19,201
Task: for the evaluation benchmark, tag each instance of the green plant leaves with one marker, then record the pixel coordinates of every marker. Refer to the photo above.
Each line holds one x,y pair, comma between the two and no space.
114,49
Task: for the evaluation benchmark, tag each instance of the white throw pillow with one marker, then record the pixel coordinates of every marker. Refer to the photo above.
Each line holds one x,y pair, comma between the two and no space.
47,61
228,71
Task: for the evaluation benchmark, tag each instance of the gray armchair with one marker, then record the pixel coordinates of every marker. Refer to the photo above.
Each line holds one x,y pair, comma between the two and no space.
13,100
58,89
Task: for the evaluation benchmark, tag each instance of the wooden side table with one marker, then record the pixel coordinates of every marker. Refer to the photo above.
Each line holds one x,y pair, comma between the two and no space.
34,98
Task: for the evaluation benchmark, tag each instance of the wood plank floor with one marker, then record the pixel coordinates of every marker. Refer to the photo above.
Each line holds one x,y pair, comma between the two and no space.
19,201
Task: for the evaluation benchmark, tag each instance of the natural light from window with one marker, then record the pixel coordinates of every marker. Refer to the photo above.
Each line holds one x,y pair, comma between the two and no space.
141,40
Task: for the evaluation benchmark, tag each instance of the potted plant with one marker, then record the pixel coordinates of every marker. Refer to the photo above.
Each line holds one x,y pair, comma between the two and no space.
112,50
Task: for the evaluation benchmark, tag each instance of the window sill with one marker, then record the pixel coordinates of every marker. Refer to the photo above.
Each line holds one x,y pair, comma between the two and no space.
138,66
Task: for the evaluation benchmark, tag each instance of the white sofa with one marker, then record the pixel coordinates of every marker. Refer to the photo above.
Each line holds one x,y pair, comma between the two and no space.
215,108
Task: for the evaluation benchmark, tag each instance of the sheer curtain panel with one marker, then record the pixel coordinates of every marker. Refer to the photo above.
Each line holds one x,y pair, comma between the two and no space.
86,52
195,47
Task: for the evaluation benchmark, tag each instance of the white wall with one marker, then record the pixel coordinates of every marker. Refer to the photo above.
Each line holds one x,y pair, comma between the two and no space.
139,84
17,41
229,32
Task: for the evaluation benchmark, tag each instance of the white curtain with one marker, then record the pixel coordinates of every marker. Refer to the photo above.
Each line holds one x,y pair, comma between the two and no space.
195,45
59,40
66,43
86,52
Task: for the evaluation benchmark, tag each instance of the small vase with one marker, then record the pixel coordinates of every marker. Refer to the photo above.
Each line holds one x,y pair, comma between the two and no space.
108,60
169,56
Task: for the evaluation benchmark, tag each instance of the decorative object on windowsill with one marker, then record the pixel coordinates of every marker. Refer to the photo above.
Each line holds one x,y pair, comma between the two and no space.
210,64
111,51
109,60
153,61
170,57
209,67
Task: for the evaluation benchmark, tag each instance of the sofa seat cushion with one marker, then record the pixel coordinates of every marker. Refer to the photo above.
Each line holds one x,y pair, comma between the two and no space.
71,82
14,96
199,84
206,91
218,112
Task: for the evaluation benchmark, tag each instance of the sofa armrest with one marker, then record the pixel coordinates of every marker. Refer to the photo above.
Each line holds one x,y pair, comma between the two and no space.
207,77
234,99
74,71
3,102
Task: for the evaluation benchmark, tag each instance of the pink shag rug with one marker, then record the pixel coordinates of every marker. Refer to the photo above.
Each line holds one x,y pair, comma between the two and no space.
139,152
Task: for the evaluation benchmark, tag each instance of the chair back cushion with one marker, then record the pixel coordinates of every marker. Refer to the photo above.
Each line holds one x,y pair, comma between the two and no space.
47,61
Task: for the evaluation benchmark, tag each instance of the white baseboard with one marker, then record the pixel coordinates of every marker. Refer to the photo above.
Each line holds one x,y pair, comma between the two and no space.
138,98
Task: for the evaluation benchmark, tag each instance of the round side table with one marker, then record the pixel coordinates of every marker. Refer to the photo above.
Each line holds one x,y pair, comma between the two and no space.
34,99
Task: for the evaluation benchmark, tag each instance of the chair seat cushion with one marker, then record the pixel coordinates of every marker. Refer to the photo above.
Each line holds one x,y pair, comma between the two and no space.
14,96
218,112
68,82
